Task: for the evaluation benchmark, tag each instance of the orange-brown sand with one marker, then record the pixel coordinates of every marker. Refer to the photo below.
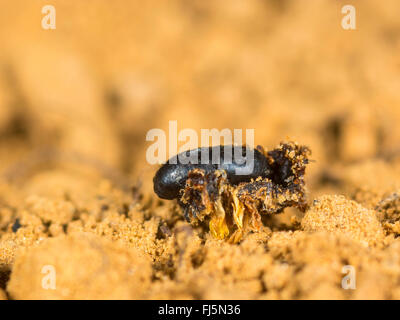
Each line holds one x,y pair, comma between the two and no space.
76,198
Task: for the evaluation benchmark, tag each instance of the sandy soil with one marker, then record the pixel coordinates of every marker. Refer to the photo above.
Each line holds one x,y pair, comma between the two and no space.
76,189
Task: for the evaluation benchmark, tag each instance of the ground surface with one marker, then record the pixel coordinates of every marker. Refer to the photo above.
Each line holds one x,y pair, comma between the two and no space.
76,103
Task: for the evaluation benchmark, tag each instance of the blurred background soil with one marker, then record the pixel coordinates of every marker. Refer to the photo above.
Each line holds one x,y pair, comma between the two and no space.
76,104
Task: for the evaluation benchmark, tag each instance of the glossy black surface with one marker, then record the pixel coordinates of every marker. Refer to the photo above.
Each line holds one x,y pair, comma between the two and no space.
240,163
